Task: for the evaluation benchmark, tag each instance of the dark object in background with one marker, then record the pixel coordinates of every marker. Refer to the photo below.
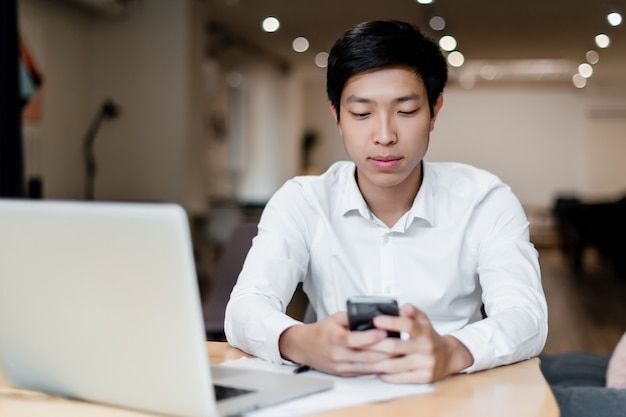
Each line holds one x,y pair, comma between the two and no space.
108,110
601,225
11,151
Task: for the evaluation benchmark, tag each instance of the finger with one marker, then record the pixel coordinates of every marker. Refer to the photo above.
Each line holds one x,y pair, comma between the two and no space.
417,316
420,323
409,310
394,324
366,338
355,362
404,366
341,318
365,357
421,345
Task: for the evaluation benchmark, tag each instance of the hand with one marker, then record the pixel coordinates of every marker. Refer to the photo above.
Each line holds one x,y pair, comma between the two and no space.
329,346
425,357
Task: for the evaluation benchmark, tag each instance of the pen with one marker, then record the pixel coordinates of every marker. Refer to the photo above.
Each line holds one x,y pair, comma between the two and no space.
301,368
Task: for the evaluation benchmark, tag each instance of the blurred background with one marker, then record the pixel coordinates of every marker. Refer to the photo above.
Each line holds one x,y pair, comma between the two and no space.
210,104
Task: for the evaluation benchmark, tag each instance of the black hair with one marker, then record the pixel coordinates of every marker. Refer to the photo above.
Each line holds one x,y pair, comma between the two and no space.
381,43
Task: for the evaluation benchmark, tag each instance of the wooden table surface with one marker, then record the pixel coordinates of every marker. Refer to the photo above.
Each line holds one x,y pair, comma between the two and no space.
517,390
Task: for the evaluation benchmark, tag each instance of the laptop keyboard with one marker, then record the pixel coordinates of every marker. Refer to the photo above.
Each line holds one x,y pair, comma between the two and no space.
222,392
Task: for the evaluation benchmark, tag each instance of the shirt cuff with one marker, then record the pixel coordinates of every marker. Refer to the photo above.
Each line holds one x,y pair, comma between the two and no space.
277,327
476,346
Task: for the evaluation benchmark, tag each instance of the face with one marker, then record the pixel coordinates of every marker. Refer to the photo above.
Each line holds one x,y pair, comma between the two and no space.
385,124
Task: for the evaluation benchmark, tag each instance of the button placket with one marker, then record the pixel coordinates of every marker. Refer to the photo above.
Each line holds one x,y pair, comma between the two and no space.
387,265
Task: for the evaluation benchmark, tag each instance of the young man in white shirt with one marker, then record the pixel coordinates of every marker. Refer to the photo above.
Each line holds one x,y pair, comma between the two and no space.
444,239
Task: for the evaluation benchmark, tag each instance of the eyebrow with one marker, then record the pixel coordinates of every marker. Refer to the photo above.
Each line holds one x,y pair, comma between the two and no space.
402,99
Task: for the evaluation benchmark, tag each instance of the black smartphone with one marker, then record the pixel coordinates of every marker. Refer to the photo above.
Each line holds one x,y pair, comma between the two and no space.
361,311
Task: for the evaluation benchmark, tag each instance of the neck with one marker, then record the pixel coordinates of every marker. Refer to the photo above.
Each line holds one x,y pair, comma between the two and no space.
390,203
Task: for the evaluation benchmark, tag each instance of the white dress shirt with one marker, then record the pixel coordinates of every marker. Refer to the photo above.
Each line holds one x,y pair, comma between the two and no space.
463,243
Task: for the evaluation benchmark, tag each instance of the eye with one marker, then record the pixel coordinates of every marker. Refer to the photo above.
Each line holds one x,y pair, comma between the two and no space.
360,115
408,113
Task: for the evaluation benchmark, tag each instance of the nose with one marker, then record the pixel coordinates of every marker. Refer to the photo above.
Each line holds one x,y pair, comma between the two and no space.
386,131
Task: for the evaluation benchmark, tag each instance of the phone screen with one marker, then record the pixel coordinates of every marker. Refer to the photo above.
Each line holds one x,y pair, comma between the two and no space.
361,311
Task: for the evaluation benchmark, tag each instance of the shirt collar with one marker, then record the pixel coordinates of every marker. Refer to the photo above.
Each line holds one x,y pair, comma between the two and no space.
351,199
423,205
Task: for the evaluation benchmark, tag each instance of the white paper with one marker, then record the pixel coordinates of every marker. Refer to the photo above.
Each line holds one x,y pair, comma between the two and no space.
345,393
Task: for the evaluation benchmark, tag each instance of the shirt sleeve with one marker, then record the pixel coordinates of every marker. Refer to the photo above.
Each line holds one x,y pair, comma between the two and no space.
516,325
276,263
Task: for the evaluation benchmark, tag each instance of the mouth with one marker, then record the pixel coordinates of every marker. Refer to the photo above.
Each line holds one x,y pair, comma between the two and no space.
386,162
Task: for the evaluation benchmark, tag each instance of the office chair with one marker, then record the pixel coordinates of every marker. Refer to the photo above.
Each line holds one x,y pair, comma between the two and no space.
227,271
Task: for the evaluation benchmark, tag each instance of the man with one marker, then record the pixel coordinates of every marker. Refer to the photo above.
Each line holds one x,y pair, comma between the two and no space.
442,238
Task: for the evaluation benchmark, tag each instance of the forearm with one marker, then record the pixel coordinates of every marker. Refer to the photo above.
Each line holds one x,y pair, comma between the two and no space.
289,344
459,356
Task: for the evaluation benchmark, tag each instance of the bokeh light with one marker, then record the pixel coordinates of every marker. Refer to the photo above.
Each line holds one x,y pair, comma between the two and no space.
579,81
447,43
614,19
603,40
592,56
270,24
456,59
437,23
321,59
300,44
586,70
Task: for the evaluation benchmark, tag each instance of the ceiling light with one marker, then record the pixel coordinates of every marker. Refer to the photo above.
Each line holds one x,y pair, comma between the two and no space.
456,59
614,18
447,43
579,81
592,56
603,40
300,44
270,24
488,72
586,70
425,1
321,59
437,23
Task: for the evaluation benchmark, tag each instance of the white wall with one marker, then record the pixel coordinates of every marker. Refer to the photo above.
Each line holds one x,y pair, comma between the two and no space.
319,119
541,139
269,146
148,60
145,61
263,109
56,37
605,149
532,139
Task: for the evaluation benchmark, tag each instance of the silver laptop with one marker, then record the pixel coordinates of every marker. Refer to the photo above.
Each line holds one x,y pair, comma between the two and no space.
99,302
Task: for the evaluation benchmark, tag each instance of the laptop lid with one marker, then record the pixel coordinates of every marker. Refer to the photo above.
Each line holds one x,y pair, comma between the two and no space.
99,301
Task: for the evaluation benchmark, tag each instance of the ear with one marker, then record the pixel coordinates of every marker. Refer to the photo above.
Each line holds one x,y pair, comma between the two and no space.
333,110
436,108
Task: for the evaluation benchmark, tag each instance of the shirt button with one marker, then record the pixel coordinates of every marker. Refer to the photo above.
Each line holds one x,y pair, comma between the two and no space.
386,239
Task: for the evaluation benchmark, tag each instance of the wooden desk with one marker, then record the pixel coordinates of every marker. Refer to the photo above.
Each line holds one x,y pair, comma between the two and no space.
513,391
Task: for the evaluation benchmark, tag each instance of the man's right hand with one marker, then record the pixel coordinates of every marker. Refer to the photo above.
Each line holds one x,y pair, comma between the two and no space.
328,346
